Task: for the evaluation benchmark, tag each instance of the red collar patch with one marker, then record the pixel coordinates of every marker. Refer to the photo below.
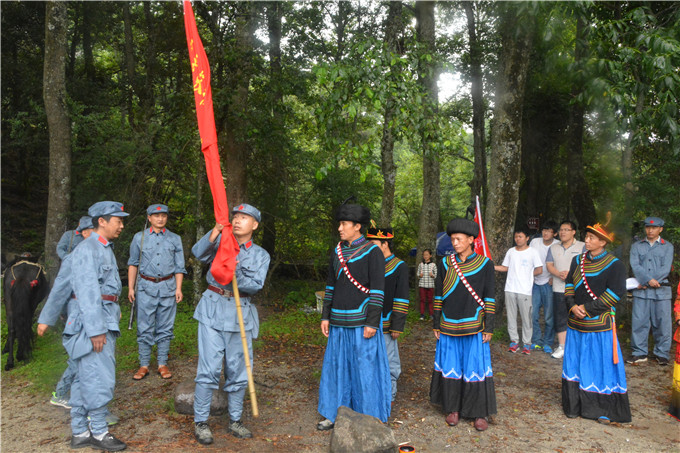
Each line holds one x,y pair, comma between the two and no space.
248,244
102,240
77,232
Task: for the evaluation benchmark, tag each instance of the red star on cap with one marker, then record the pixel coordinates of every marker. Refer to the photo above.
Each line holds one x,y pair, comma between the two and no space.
122,208
240,208
651,221
158,208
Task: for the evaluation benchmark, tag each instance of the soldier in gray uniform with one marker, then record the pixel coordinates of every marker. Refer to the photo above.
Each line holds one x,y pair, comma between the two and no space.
71,238
159,289
219,339
92,328
651,260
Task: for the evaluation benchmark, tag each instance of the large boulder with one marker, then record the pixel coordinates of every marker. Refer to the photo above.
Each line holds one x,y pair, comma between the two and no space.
360,433
184,399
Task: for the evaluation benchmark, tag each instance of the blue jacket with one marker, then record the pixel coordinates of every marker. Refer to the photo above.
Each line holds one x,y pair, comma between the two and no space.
68,242
652,262
94,273
162,255
219,312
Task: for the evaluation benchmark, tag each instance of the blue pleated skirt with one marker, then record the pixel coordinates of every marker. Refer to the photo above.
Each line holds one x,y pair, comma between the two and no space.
593,385
462,380
355,374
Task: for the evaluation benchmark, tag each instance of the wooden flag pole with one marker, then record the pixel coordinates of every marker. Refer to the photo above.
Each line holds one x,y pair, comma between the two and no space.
246,354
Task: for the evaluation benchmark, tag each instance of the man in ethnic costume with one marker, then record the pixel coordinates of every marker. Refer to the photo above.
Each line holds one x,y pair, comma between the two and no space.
395,304
355,369
464,312
593,375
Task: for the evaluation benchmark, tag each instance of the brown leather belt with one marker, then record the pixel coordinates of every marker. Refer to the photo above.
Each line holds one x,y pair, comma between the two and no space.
220,291
157,279
108,297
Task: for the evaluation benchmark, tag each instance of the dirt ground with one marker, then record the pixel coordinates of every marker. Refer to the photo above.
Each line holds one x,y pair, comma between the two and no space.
529,415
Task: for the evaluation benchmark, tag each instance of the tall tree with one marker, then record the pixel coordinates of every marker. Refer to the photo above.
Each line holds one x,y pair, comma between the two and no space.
517,24
54,96
427,77
478,183
579,191
394,26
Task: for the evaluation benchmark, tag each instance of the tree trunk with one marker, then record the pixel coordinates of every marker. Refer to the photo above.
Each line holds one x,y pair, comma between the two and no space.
196,265
236,125
393,27
129,62
87,41
581,200
427,77
54,96
478,183
504,176
271,203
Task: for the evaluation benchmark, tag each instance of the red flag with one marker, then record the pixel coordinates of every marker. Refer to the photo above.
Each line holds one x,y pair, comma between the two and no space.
224,264
481,246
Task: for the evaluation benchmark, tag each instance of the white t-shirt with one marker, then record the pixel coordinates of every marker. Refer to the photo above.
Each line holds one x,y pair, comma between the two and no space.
521,267
537,243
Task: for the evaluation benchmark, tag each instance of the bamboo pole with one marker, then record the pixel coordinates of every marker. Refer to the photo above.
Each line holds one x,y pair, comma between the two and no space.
246,354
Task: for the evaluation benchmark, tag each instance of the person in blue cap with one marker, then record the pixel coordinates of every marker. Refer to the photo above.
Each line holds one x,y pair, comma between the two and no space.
219,338
71,238
92,328
61,300
651,260
156,265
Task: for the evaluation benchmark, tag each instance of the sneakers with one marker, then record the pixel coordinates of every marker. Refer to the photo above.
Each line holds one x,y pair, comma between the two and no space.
422,318
547,349
661,361
514,347
81,441
559,353
108,443
59,401
604,420
526,349
203,434
535,346
636,359
325,425
237,429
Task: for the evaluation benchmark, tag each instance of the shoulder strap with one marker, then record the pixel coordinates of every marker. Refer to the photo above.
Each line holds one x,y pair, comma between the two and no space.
583,276
473,293
343,263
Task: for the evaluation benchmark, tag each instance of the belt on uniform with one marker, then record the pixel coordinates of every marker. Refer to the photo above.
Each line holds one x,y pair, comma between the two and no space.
220,291
108,297
157,279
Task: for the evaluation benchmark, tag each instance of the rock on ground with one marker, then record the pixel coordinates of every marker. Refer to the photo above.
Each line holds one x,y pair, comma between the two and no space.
184,399
359,433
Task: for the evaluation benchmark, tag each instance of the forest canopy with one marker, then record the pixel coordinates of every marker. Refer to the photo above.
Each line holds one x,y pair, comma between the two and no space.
546,110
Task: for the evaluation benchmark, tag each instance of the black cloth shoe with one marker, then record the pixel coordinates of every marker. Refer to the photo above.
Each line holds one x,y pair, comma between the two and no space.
636,359
325,425
108,443
80,442
237,429
661,361
203,434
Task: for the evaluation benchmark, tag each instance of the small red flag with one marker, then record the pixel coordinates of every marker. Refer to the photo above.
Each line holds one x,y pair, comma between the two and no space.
224,264
481,246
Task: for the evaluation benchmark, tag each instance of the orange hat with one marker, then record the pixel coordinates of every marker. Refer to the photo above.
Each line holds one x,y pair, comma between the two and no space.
600,231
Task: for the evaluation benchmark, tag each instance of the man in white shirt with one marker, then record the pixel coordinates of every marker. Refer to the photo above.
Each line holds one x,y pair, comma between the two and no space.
558,262
521,263
541,295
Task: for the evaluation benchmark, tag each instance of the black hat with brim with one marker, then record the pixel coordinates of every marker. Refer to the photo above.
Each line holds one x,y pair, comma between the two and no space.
353,213
463,226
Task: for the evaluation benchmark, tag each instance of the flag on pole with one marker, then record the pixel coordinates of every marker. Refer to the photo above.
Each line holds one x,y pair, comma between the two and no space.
224,264
481,246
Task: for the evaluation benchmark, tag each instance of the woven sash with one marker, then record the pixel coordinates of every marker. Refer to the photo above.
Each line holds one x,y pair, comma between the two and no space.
343,262
473,293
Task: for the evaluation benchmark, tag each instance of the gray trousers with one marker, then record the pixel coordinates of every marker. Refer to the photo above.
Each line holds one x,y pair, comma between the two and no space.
521,302
657,315
392,348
